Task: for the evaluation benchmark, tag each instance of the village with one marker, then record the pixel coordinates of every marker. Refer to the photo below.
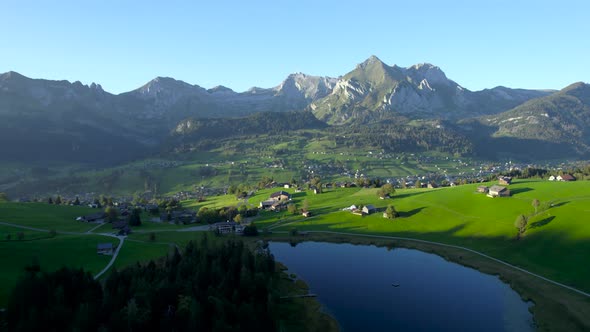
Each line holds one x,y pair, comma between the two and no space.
119,213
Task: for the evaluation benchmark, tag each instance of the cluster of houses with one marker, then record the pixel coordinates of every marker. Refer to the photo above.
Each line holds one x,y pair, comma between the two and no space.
277,202
499,190
564,178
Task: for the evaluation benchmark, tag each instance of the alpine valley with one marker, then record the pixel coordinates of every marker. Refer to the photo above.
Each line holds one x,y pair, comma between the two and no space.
66,130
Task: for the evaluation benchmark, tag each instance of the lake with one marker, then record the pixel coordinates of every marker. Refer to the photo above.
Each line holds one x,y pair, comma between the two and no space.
355,285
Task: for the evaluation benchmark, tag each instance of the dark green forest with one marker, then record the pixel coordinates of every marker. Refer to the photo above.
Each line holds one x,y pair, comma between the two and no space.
210,286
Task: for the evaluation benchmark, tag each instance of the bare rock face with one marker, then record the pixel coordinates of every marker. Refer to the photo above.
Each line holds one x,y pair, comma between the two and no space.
308,87
374,89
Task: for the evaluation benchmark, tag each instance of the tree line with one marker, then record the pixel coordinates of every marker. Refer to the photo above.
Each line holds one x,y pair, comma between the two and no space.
211,286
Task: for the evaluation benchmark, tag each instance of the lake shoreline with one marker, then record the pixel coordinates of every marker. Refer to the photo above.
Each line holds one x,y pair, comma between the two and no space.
555,308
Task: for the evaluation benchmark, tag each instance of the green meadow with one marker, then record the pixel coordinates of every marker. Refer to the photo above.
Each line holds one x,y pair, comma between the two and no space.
46,216
555,244
50,254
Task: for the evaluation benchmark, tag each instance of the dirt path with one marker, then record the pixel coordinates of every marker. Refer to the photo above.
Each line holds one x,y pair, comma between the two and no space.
93,228
115,254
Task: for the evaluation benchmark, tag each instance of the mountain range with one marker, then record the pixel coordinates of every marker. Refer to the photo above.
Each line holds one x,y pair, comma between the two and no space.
59,120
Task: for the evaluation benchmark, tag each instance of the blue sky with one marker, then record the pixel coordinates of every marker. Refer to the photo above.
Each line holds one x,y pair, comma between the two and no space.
123,44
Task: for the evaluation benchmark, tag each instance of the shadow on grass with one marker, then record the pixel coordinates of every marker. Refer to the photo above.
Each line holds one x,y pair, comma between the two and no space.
524,181
542,222
398,196
406,214
559,204
517,191
299,194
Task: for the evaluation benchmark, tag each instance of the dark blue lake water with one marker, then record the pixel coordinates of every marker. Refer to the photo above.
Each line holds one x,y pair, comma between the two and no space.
354,283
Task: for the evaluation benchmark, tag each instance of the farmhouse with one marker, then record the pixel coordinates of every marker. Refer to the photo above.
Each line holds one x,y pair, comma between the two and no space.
306,213
278,206
266,204
280,196
104,249
566,178
122,226
95,217
227,227
498,191
183,216
483,189
369,208
552,178
504,180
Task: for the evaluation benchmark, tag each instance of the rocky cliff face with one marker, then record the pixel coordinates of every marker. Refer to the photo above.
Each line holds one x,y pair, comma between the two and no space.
374,89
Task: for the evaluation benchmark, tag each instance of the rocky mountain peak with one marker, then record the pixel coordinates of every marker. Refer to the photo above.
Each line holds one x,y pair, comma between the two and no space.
221,89
300,85
11,75
429,72
167,86
372,60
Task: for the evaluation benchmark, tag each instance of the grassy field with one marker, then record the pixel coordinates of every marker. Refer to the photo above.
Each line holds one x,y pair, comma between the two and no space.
51,254
46,216
132,252
555,244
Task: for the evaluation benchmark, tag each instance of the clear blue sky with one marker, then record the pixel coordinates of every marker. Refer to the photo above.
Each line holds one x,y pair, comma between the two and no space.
123,44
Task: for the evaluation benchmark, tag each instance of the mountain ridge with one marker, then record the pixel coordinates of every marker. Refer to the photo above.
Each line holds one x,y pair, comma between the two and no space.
35,111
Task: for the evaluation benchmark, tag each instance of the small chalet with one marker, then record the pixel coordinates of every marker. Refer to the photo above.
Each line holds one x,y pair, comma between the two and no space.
369,208
306,213
504,180
498,191
280,196
483,189
566,178
552,178
104,249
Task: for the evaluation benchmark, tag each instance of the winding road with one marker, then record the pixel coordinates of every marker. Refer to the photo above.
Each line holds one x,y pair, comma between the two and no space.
89,232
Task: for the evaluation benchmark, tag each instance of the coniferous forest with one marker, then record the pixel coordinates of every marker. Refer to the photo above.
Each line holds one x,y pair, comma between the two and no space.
210,286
